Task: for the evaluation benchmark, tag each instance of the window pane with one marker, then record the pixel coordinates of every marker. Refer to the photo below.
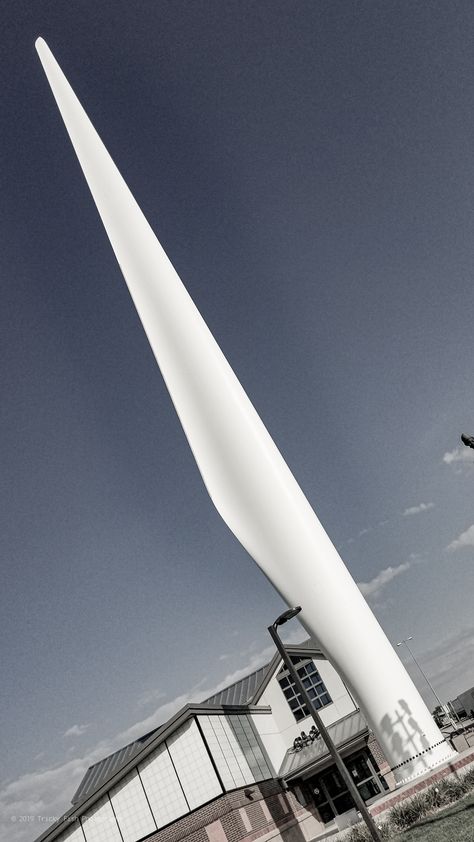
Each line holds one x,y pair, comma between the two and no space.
312,683
369,789
326,813
334,783
359,768
343,802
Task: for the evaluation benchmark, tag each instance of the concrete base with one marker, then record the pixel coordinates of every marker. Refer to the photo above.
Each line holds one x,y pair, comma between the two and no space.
464,760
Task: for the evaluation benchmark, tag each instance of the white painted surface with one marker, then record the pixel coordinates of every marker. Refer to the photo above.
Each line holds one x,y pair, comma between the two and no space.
193,765
278,731
229,759
131,809
245,819
244,473
310,827
100,824
234,749
164,792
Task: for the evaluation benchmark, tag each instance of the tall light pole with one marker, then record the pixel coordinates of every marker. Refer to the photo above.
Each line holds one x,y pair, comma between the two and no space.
330,745
405,641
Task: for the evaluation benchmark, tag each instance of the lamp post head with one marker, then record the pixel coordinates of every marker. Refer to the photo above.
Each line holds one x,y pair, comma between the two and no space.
405,640
287,615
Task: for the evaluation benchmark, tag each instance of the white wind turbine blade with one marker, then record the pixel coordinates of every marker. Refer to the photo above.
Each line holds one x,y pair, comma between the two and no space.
244,473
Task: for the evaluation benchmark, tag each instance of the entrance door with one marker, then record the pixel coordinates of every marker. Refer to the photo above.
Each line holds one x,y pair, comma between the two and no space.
330,794
339,795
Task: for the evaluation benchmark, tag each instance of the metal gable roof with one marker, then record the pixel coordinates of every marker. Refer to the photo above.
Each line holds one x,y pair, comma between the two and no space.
103,769
249,689
241,692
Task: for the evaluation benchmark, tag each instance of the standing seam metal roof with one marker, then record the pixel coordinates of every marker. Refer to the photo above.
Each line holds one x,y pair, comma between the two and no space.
241,692
103,769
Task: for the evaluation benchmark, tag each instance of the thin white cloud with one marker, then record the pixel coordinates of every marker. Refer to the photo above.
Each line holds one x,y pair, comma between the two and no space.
150,696
460,457
364,531
465,539
44,795
379,581
415,510
76,730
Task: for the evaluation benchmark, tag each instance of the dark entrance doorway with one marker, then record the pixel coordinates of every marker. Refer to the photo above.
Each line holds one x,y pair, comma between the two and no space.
330,794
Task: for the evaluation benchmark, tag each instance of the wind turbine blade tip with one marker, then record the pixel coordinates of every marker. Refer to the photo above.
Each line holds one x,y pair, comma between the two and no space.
41,46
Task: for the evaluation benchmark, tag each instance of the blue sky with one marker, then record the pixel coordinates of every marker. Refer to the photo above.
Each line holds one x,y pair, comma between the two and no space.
309,169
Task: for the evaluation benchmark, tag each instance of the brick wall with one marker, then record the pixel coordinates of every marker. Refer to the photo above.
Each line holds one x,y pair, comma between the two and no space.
381,761
258,810
374,747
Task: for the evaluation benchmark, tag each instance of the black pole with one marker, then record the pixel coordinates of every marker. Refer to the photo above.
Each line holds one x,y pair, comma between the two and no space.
346,776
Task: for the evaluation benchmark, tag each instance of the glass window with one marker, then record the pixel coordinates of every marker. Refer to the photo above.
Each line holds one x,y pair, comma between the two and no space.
312,683
343,802
326,813
369,789
359,768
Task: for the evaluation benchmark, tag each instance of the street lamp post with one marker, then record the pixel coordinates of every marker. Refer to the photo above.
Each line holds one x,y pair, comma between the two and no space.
344,772
405,641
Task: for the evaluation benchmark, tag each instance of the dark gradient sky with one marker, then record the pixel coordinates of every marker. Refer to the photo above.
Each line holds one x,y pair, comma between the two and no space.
309,169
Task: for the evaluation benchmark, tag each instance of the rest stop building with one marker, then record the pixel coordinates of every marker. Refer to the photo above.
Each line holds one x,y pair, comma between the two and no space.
228,769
